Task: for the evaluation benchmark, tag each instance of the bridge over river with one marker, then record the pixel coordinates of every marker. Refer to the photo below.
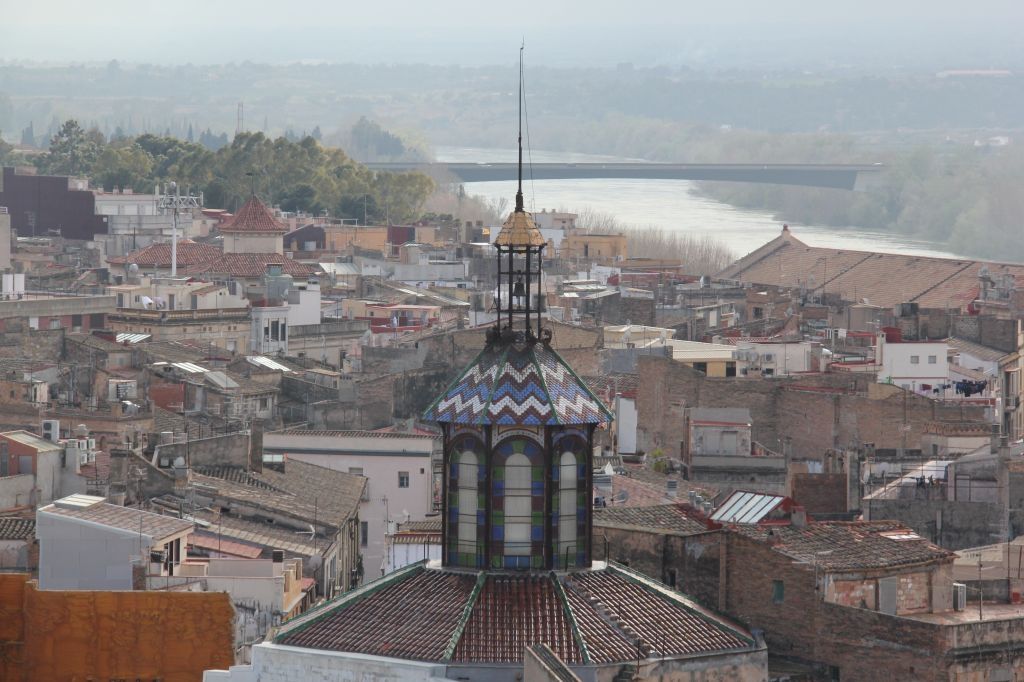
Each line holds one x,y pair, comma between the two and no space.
855,177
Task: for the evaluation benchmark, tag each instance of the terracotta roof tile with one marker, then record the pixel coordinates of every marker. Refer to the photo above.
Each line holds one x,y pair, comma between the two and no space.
666,623
673,518
250,265
512,612
190,254
15,528
421,613
414,617
155,526
254,216
885,279
845,545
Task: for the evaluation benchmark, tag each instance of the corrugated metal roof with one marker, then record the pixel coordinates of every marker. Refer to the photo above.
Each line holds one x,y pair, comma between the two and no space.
190,367
262,361
131,337
746,507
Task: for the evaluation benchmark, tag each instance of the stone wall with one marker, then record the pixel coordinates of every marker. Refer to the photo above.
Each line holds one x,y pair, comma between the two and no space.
817,412
690,563
227,450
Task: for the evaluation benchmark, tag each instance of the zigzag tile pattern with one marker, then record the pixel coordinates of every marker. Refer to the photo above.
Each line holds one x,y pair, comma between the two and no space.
514,384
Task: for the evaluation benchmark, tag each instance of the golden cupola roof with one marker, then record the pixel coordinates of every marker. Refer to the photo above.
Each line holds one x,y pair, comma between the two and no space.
519,231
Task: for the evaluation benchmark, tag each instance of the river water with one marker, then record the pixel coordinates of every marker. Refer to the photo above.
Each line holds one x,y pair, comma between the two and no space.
670,205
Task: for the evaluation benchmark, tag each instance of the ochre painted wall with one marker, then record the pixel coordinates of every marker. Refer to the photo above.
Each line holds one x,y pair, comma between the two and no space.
71,635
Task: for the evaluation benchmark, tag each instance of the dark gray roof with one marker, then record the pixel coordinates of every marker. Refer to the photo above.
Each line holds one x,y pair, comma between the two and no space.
14,528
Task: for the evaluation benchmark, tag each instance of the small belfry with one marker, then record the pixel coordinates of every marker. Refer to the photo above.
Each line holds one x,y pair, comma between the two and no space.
518,429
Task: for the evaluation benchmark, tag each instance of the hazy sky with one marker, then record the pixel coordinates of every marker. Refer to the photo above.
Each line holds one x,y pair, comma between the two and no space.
602,32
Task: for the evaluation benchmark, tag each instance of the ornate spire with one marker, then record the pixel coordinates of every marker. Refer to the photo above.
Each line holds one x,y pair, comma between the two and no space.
519,192
519,229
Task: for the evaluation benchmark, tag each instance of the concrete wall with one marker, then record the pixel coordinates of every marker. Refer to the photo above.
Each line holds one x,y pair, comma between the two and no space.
276,663
228,450
950,524
15,554
17,491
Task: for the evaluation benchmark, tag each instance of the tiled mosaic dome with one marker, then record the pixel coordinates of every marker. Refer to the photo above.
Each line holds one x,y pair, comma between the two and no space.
512,383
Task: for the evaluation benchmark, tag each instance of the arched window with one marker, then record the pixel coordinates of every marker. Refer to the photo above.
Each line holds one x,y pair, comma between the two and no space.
468,502
518,507
567,499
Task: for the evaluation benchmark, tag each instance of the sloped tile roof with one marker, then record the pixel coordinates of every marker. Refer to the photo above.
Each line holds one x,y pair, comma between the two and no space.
884,279
190,253
413,616
15,528
254,216
672,518
849,545
305,491
513,611
250,265
155,526
666,623
594,616
518,384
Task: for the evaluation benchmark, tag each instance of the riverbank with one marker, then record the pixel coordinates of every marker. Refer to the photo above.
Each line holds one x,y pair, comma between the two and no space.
672,205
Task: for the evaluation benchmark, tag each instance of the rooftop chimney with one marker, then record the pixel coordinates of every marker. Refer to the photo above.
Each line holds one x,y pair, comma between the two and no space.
798,517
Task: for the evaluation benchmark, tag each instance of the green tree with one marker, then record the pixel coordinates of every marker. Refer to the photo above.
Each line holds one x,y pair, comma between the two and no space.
72,151
129,166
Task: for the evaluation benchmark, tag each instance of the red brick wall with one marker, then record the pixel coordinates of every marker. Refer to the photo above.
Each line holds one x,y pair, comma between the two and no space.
820,493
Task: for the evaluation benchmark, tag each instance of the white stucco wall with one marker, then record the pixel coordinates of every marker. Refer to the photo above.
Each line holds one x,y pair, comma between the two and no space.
276,663
81,556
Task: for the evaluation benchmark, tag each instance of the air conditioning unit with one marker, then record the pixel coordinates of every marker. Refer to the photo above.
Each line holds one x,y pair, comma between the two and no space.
959,596
51,430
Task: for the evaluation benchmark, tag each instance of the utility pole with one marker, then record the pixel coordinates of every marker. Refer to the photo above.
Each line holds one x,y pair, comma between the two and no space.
173,201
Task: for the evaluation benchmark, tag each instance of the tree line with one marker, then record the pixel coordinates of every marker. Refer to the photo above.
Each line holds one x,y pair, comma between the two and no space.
297,174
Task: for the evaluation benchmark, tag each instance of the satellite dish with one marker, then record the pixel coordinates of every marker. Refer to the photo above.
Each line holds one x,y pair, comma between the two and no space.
133,269
620,497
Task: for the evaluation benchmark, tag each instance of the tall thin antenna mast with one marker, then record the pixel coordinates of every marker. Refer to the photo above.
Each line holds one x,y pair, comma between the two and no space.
519,192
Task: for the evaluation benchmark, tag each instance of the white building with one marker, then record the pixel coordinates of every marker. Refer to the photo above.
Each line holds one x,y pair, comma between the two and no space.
773,358
401,485
913,365
5,239
86,543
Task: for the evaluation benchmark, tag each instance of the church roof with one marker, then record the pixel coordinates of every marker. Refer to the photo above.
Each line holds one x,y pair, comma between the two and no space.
518,384
254,216
586,617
